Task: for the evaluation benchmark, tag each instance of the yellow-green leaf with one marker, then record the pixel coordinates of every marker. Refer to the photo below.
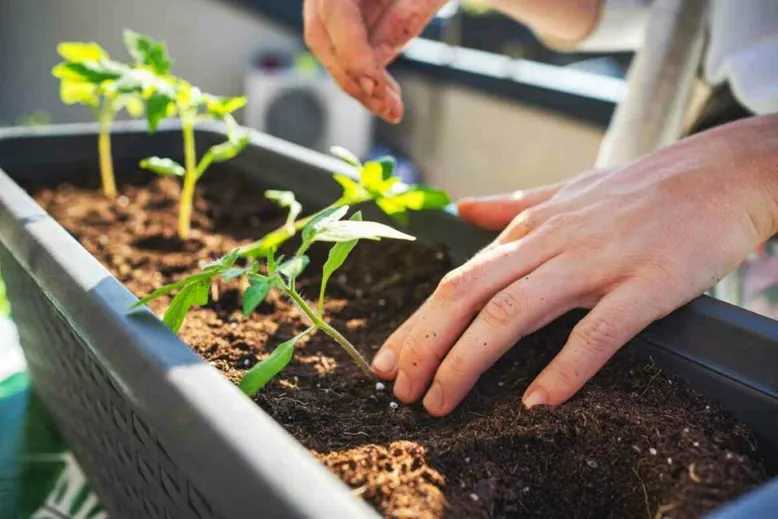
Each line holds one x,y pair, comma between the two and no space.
79,93
79,52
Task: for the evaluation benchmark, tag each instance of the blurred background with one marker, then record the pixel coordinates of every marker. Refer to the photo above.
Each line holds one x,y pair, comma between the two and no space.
489,108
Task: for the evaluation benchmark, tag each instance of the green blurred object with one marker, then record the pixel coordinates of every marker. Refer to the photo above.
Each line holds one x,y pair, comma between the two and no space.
5,306
39,476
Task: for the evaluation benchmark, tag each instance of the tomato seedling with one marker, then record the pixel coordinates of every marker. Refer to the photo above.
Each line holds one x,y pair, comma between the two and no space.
88,76
327,225
192,107
376,182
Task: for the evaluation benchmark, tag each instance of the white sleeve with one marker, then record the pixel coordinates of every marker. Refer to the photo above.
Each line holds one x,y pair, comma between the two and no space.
621,27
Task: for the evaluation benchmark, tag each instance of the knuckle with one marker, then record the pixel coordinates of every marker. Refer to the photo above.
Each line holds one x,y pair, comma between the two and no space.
560,221
414,353
502,309
455,368
454,286
597,337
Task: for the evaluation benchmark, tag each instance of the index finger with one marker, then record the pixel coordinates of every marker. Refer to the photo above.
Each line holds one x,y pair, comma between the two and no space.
346,27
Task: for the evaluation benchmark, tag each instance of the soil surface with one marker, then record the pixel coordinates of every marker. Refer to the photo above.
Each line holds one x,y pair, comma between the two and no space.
634,443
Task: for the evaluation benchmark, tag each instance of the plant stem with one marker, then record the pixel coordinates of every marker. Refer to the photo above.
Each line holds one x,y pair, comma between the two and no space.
258,248
190,179
329,330
104,150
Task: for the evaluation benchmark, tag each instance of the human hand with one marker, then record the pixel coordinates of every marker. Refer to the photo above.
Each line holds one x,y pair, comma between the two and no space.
356,39
631,244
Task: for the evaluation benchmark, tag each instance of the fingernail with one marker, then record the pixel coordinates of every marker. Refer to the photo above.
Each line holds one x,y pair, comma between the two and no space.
368,85
433,401
535,397
384,362
402,387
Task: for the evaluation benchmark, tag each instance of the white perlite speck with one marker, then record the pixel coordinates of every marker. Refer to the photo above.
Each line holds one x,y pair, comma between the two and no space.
593,464
474,497
669,461
393,405
379,386
652,451
696,444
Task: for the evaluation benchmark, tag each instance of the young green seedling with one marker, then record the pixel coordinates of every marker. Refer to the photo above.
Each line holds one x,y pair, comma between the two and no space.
377,183
88,76
176,96
281,274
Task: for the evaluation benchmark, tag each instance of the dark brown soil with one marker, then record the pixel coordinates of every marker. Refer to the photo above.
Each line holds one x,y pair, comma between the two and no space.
634,443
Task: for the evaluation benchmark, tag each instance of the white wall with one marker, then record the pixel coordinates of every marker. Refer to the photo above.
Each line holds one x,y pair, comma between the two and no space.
471,143
211,41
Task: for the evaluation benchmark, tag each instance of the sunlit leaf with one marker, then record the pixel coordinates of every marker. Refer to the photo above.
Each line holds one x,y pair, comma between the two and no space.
346,156
371,176
228,150
294,267
147,51
255,294
353,192
79,93
163,167
89,71
256,378
350,230
195,293
132,103
78,52
418,198
322,218
222,106
335,259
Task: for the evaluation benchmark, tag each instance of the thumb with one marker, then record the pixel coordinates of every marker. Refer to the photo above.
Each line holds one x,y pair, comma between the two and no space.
495,212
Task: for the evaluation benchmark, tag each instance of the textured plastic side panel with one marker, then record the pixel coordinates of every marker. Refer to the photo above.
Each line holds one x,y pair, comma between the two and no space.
127,464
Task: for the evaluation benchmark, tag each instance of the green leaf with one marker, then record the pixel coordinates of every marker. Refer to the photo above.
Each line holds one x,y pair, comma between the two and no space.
337,255
79,52
89,71
353,192
371,177
159,105
351,230
223,263
163,167
388,165
321,218
72,92
288,200
228,150
192,293
346,156
256,378
417,198
255,294
294,267
220,107
147,51
169,288
132,103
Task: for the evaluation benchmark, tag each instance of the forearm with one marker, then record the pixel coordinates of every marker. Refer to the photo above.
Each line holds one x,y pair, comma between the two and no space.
567,21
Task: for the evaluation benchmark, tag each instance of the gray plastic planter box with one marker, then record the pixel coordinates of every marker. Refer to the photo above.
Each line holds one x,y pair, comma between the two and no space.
160,433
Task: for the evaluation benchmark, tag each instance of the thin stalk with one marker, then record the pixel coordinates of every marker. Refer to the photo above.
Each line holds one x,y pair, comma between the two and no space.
190,179
104,150
283,233
329,330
